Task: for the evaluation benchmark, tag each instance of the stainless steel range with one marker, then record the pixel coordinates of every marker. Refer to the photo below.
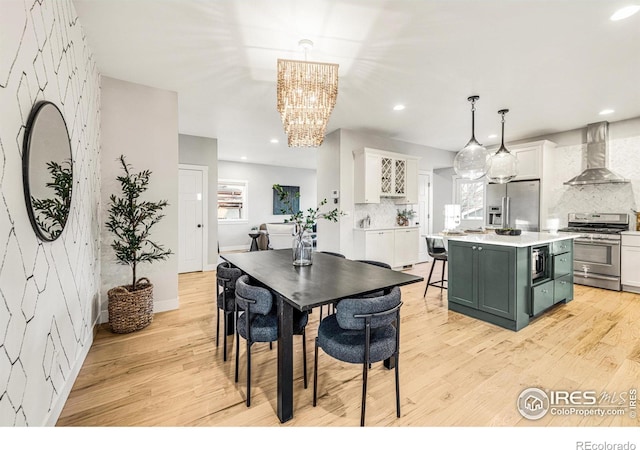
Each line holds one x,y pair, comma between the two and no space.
596,253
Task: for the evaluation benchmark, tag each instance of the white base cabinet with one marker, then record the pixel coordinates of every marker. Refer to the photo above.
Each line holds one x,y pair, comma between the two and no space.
630,261
397,246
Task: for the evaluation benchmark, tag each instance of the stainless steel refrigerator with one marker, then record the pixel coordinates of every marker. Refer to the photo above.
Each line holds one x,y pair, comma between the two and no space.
514,205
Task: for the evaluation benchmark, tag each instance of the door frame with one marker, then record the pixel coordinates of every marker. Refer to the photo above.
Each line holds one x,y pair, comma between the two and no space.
429,212
205,209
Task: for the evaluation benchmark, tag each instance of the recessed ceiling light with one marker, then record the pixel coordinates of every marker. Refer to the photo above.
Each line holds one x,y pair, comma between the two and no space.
625,12
243,158
398,107
604,112
491,136
274,141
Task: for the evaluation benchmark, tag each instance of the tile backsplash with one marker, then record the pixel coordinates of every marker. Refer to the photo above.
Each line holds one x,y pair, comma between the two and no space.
568,161
382,214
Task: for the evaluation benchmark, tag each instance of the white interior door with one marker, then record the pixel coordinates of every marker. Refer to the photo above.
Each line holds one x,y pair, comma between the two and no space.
190,222
424,186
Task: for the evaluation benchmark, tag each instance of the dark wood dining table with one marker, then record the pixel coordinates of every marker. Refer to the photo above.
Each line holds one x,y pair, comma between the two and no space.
328,279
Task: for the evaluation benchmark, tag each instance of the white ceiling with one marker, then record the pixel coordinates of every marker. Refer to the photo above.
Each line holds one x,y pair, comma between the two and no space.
553,64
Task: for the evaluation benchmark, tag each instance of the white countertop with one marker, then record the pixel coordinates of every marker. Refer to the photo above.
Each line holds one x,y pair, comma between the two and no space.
385,228
631,233
526,239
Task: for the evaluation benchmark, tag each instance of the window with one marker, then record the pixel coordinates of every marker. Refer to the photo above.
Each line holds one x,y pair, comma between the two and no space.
232,201
470,196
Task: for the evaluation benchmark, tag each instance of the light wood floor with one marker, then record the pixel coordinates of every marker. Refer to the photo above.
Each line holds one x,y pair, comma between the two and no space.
454,370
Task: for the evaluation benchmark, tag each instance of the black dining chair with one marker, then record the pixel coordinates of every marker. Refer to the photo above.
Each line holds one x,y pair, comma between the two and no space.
226,277
375,263
384,265
339,255
435,248
258,322
362,332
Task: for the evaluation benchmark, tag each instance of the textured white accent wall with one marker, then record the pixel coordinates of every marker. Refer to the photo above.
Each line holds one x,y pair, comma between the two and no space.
568,161
48,290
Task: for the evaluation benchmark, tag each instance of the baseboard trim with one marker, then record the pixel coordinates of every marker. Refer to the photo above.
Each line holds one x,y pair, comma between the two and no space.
158,307
56,409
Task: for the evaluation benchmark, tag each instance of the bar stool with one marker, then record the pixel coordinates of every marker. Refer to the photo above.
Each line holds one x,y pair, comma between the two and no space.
435,248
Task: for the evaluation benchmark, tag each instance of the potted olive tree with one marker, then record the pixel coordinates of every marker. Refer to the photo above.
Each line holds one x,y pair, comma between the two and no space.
130,219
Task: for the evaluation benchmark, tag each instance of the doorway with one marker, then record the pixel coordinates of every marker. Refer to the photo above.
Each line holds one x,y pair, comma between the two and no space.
192,217
424,217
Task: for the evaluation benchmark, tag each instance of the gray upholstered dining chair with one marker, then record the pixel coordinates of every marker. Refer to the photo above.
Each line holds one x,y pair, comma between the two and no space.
226,277
362,331
258,322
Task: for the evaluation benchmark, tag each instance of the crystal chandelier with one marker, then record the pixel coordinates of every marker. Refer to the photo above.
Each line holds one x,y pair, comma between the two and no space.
307,93
473,161
504,164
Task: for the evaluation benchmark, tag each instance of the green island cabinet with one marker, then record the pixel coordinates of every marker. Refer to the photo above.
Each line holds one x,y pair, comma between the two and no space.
493,282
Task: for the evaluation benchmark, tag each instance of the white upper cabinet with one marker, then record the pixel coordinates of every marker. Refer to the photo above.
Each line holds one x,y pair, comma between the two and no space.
378,173
367,169
411,183
393,176
530,157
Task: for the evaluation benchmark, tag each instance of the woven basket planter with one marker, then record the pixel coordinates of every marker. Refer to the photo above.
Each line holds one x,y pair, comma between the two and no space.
130,310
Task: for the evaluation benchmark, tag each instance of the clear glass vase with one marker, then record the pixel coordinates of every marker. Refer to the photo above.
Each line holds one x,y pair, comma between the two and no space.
302,250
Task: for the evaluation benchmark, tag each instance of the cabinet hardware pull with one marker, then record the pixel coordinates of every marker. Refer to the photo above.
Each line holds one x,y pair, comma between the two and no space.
479,248
473,247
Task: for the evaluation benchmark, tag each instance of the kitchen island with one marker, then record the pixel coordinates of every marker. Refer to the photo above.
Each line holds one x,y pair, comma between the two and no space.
507,280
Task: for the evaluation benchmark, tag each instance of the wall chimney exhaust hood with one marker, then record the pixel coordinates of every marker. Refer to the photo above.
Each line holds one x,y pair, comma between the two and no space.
597,147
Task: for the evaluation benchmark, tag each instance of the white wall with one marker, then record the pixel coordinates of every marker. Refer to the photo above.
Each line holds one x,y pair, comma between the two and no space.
48,290
261,178
203,151
142,123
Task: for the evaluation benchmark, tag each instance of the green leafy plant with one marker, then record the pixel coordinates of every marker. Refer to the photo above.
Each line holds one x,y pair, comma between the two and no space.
51,213
304,222
131,219
405,216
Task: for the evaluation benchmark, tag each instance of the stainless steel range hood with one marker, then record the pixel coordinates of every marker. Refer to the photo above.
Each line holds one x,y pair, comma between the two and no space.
597,147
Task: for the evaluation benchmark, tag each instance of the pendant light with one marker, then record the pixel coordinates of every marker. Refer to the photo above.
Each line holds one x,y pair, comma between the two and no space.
504,164
473,161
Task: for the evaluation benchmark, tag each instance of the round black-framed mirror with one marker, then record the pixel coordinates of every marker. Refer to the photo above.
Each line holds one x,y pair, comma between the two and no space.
47,170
